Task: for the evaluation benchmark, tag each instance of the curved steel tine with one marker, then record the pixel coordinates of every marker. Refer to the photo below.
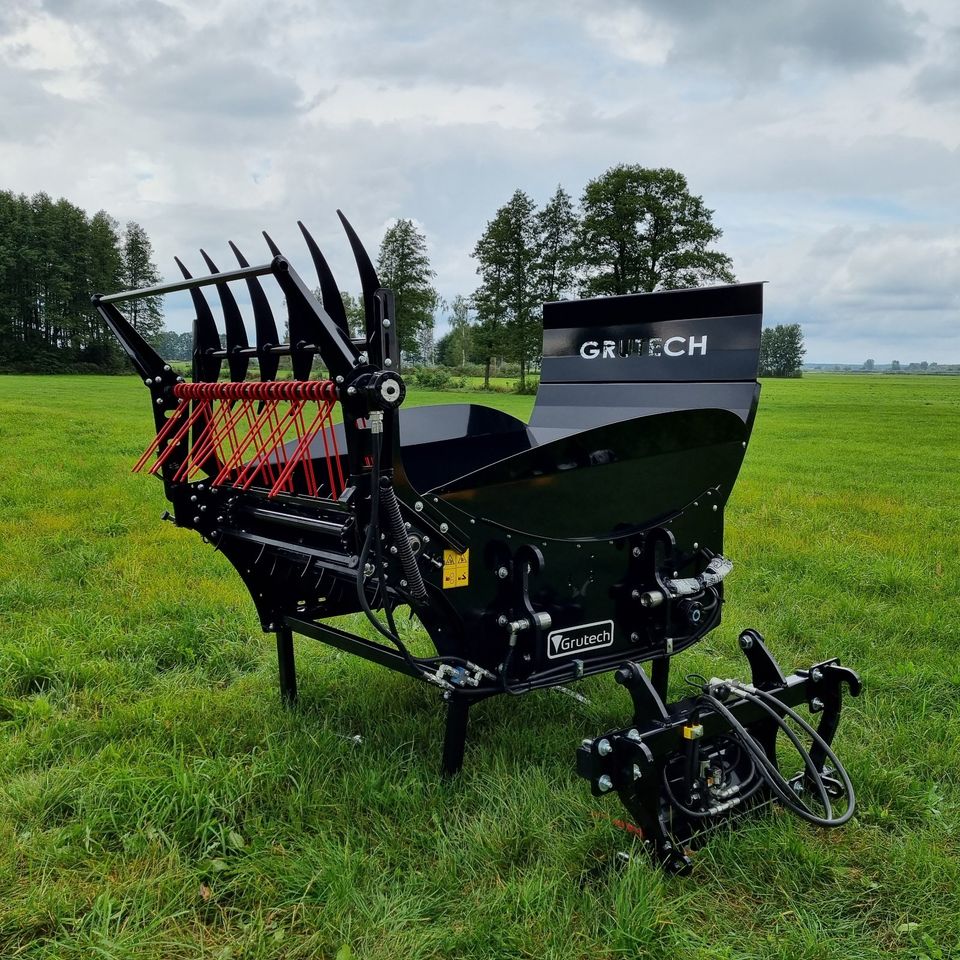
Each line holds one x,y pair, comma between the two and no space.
205,336
329,292
233,322
299,327
274,249
369,281
264,323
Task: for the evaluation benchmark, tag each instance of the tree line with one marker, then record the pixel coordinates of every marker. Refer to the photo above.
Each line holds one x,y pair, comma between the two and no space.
52,258
635,229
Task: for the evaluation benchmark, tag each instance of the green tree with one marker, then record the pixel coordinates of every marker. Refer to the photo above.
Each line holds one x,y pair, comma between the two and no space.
509,297
404,267
138,271
781,350
895,366
559,250
642,230
456,347
869,365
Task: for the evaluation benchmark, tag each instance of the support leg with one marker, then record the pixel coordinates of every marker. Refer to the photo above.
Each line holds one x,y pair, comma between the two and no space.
660,676
456,735
288,670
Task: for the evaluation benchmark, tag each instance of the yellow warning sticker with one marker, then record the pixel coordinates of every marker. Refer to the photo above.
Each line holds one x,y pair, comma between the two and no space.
456,569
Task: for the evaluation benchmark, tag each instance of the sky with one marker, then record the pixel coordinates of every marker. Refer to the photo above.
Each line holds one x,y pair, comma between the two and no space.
824,134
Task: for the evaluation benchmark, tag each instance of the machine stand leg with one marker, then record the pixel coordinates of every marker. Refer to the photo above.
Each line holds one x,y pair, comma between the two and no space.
288,670
456,735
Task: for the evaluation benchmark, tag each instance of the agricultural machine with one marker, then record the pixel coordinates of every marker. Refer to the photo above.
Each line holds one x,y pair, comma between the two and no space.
587,540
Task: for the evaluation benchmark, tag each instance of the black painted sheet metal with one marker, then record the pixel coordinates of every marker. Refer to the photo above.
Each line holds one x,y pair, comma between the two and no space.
707,334
566,408
590,484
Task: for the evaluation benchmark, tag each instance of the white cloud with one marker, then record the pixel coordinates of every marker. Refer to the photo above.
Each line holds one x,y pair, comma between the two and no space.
809,127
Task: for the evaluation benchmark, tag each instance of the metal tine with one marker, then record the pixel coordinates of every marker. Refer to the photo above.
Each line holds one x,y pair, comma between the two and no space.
233,323
264,323
329,292
300,332
205,337
369,281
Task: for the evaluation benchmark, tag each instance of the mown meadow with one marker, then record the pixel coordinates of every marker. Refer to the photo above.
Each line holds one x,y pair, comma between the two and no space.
157,801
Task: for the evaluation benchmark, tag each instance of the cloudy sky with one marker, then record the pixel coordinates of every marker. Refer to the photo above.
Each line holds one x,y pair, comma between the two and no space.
825,134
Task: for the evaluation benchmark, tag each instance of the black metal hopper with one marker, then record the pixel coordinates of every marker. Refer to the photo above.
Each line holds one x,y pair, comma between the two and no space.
586,540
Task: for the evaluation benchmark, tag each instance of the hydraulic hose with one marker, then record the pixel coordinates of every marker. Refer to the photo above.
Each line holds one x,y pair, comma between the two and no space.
766,767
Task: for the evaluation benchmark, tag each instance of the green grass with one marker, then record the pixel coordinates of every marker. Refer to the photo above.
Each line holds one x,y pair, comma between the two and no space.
156,800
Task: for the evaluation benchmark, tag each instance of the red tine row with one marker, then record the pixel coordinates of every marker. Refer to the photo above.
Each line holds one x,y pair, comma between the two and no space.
210,407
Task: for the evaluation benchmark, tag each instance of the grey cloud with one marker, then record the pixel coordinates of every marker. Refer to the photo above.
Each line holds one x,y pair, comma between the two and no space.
744,37
215,84
939,81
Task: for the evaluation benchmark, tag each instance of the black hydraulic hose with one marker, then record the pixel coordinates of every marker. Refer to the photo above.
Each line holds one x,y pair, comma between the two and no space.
768,770
753,781
820,742
782,786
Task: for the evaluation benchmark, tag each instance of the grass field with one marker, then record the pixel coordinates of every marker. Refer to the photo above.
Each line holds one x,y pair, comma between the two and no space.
157,801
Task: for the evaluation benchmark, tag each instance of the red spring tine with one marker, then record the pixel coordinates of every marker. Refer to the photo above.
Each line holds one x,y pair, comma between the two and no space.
193,461
223,420
265,449
301,454
180,434
181,407
253,435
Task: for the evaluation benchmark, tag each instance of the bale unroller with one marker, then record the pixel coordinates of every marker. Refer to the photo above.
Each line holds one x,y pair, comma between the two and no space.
586,540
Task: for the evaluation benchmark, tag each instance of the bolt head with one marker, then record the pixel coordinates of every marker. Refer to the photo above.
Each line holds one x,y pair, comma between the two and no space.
444,527
503,573
604,748
636,551
418,506
746,642
816,674
816,705
604,784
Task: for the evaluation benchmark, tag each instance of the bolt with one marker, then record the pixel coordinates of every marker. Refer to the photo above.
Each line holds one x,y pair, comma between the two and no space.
604,748
196,519
339,380
634,637
816,674
388,362
746,641
193,499
159,401
351,391
394,551
696,546
636,772
418,506
166,368
444,527
714,508
604,784
386,322
633,734
148,382
636,551
503,573
587,743
634,594
816,705
403,583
